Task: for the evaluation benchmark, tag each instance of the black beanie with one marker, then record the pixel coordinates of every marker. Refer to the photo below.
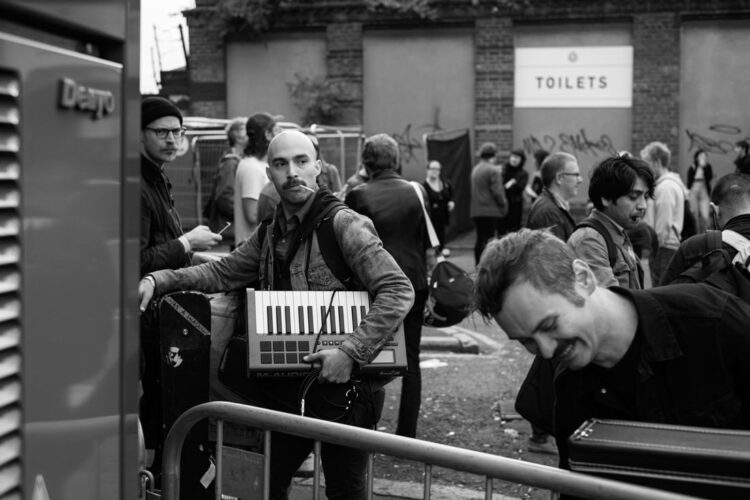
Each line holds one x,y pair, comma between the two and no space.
153,108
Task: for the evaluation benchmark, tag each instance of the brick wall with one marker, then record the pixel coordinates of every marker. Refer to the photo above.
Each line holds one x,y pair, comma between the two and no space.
656,41
207,70
344,65
493,81
656,80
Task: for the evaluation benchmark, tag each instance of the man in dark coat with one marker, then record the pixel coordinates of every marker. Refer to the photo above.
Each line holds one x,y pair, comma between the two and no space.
561,177
393,206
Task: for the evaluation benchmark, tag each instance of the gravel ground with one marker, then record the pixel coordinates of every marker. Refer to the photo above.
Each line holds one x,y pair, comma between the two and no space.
467,401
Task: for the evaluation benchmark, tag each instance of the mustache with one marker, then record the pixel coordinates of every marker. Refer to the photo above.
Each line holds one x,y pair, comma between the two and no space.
296,182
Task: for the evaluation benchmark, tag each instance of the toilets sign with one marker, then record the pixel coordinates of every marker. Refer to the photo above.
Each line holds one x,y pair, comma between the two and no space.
574,77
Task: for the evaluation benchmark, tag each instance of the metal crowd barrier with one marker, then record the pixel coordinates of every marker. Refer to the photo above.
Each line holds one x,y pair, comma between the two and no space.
431,454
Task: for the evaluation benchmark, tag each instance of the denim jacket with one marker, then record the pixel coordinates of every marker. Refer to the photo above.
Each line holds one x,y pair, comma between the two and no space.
589,246
363,252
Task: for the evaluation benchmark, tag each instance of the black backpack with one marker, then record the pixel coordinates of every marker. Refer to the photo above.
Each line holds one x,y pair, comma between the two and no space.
709,262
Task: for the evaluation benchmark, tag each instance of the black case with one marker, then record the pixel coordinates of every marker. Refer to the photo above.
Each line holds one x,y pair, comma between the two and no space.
710,463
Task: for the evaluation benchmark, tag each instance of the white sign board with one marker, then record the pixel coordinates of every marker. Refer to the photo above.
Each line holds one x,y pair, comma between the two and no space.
574,77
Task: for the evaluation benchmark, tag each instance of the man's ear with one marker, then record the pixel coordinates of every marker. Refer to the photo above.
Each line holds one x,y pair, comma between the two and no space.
268,174
584,276
318,167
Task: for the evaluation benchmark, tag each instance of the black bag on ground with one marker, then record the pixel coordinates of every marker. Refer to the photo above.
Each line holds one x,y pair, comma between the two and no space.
450,295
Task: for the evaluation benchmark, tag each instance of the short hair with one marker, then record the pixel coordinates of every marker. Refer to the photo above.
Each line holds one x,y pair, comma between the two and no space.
615,176
536,256
521,154
487,151
257,126
657,151
731,190
540,155
554,164
316,144
696,154
380,152
234,125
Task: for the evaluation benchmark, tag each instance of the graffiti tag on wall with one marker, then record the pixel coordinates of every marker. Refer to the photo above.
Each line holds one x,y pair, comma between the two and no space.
719,139
577,143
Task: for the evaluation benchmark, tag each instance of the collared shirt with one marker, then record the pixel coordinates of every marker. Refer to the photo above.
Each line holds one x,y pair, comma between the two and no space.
560,202
689,366
591,247
285,234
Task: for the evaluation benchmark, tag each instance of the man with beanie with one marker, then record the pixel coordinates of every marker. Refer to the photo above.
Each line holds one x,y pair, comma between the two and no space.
163,244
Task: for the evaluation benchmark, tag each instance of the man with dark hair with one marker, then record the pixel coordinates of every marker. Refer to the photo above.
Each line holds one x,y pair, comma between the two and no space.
561,177
251,173
287,256
618,189
667,213
673,355
395,209
730,203
163,245
488,201
742,161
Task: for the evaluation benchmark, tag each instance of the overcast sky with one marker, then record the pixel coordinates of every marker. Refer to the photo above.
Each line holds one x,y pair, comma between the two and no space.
165,16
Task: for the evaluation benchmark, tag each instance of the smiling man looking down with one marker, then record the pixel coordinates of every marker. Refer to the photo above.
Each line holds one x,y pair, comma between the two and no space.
675,354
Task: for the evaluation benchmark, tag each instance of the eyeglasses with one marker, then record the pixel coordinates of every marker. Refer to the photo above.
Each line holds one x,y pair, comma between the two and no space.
162,133
574,174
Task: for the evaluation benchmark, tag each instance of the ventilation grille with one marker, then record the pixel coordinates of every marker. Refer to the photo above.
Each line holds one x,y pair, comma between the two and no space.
11,476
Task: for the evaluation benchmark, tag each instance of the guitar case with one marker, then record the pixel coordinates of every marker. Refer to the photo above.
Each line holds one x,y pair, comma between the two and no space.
184,320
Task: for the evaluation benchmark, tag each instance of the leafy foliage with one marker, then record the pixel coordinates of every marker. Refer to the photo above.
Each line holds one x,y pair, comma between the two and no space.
255,16
317,99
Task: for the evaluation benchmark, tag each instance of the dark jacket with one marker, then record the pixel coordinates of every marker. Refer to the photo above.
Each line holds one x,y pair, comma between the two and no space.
743,164
392,205
680,262
687,366
160,223
220,205
487,191
708,175
546,213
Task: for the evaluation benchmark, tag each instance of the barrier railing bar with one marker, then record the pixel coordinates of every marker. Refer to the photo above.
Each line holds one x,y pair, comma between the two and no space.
266,464
487,488
427,482
219,458
370,475
316,470
451,457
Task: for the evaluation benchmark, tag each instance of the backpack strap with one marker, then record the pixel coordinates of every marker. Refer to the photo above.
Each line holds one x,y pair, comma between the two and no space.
599,227
329,247
739,243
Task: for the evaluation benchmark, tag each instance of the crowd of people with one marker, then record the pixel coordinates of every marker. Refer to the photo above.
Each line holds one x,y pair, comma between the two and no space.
573,292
